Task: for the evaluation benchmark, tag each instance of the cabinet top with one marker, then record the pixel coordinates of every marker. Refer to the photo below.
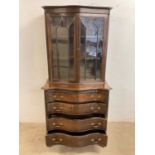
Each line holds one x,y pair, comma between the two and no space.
77,6
77,9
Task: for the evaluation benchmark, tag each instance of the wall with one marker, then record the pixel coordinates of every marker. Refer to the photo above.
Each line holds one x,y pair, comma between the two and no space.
33,62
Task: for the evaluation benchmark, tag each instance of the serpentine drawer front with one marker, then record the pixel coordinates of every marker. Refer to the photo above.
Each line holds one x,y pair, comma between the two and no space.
76,141
76,92
76,109
76,97
76,125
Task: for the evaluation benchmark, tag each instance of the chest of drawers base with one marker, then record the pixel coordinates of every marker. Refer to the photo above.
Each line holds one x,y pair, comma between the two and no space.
76,118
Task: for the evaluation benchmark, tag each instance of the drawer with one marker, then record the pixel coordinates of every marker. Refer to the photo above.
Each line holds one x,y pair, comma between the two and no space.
76,141
76,97
76,125
76,109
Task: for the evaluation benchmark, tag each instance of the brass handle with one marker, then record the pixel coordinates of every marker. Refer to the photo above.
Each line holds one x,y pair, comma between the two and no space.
61,96
92,108
99,96
92,96
61,124
57,125
94,140
92,124
99,108
57,108
60,139
54,96
95,108
57,140
53,123
53,139
96,126
99,139
99,123
54,108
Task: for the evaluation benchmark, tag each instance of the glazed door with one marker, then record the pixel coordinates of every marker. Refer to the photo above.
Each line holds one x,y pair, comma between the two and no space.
93,36
61,36
77,47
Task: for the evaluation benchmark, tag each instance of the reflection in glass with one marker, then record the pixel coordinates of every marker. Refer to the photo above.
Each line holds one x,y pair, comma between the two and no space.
62,31
91,43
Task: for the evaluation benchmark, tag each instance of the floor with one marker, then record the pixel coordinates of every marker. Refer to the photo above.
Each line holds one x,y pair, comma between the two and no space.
121,142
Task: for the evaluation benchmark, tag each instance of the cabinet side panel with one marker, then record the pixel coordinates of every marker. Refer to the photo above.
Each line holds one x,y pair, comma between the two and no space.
105,45
45,98
48,46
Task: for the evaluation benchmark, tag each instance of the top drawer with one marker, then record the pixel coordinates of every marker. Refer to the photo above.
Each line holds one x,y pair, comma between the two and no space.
69,96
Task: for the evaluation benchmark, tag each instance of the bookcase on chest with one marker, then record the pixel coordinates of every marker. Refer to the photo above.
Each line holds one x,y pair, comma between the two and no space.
76,93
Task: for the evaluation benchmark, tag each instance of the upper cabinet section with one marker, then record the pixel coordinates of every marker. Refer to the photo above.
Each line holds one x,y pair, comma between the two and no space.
76,43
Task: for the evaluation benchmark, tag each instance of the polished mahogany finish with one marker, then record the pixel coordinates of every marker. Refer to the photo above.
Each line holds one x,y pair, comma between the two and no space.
76,93
76,125
76,97
77,109
76,141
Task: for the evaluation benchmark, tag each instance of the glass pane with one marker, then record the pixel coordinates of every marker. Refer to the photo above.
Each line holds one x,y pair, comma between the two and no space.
91,44
62,32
